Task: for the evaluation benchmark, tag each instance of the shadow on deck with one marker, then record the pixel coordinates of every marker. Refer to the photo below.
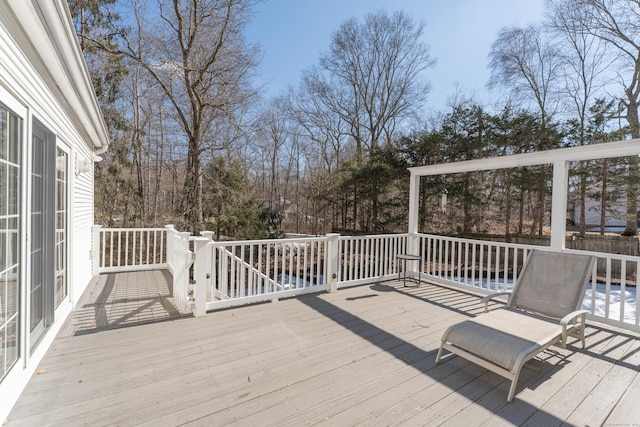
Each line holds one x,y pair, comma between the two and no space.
362,356
119,300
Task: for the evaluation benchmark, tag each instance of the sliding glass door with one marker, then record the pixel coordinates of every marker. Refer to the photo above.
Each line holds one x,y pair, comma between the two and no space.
10,190
43,231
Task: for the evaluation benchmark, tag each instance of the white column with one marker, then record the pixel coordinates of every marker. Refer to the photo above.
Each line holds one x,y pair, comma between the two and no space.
414,194
414,199
560,192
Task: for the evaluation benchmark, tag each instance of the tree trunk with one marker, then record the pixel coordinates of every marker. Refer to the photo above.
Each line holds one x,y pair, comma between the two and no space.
583,197
521,212
193,188
603,195
507,216
631,228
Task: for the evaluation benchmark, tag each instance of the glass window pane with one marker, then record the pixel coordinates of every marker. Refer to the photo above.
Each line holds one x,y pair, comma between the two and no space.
62,162
13,195
15,130
4,187
3,133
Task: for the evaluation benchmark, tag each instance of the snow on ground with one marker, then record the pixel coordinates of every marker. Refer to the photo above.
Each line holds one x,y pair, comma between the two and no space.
617,302
596,298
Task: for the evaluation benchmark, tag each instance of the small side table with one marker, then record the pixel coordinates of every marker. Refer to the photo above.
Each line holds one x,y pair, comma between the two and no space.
409,257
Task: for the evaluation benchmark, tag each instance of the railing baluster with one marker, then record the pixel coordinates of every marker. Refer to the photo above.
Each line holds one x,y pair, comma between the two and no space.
497,268
445,259
481,269
471,259
466,263
608,289
623,288
126,249
216,267
637,320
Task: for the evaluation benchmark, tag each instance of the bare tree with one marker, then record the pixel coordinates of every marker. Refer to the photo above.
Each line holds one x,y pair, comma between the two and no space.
196,52
523,61
274,135
616,23
377,65
372,77
585,62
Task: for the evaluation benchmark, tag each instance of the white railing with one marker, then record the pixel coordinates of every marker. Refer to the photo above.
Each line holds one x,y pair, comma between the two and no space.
128,249
134,249
179,261
243,272
367,259
471,264
488,267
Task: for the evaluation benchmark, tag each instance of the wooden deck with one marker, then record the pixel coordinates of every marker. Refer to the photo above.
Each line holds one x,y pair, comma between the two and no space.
120,300
360,356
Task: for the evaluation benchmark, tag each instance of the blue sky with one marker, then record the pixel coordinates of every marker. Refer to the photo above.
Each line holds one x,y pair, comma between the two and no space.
293,33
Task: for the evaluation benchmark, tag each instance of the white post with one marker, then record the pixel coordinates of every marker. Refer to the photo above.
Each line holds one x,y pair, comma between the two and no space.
201,274
559,205
414,196
208,235
332,261
95,249
170,255
185,237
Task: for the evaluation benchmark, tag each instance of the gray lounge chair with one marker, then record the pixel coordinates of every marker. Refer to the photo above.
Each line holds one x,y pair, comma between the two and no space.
542,310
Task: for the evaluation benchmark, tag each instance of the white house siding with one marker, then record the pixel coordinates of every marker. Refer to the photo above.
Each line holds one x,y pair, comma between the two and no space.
43,77
614,217
83,214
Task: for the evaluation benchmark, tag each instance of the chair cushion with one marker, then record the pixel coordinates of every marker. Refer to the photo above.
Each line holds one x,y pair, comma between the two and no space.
501,335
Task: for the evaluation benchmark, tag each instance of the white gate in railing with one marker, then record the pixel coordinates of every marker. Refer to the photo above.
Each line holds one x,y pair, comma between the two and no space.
243,272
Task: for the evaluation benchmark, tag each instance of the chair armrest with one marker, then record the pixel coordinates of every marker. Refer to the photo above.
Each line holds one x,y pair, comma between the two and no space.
564,322
489,297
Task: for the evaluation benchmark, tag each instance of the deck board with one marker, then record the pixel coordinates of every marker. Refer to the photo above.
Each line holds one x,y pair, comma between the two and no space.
360,356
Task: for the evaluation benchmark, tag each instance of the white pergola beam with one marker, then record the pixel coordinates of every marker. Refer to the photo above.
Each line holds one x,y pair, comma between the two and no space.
586,152
559,158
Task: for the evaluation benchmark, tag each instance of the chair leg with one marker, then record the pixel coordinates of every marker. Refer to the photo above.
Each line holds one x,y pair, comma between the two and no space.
582,326
514,383
439,356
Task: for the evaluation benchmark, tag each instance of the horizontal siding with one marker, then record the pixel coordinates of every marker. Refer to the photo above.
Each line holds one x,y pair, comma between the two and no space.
81,231
22,79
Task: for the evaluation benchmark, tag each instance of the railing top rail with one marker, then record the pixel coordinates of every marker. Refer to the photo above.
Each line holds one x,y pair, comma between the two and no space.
480,241
125,229
632,258
267,241
606,255
373,236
